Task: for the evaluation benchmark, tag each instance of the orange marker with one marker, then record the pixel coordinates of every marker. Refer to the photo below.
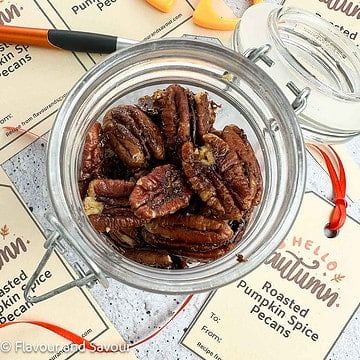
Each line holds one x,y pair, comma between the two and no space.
206,17
257,1
162,5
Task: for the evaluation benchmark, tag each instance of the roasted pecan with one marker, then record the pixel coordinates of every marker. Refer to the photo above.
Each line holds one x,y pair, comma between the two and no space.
113,167
115,219
159,193
175,117
109,193
91,165
185,116
156,258
200,168
205,256
133,135
205,113
194,229
215,172
110,188
172,245
151,105
127,237
237,140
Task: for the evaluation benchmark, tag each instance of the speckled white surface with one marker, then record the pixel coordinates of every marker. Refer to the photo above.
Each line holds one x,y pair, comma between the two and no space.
136,313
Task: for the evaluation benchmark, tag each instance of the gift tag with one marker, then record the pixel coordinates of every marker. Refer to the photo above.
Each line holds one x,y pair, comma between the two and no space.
300,298
21,248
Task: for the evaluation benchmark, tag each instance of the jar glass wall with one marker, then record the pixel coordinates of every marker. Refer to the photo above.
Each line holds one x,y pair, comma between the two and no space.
248,98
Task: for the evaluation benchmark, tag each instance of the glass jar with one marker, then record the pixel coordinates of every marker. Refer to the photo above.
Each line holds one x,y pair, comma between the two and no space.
309,52
248,98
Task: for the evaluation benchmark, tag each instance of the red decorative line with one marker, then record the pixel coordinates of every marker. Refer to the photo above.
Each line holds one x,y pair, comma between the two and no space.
76,339
338,216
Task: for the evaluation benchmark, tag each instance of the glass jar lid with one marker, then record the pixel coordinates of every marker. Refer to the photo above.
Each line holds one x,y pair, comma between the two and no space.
308,52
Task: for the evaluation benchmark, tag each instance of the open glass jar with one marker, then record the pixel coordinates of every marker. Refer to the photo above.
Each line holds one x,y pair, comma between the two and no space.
307,51
248,98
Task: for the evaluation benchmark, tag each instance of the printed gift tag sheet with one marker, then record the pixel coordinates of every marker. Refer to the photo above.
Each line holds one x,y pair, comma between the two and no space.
21,248
300,298
34,81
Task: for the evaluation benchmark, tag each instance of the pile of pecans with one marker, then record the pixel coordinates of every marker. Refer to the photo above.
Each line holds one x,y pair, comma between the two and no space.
164,185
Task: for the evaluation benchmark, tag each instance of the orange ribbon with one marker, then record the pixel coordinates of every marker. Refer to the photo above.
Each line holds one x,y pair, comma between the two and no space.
78,340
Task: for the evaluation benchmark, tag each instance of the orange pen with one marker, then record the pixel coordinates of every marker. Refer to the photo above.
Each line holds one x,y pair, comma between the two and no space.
63,39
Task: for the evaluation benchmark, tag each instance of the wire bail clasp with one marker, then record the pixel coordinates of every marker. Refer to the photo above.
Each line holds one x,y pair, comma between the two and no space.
85,277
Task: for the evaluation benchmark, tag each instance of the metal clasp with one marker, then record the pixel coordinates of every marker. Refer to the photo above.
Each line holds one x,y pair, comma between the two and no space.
85,278
300,102
260,53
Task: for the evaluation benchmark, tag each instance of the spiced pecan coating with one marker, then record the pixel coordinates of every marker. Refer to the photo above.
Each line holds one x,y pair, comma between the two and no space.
237,140
110,188
127,237
194,229
205,113
115,219
205,256
110,193
133,135
159,193
201,169
215,172
161,242
91,165
113,167
200,252
150,257
175,117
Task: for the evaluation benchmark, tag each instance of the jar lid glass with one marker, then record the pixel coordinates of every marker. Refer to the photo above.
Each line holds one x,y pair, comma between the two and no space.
309,52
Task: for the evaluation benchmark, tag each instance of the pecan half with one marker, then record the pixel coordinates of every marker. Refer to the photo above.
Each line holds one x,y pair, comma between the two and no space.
200,252
205,113
172,245
194,229
185,116
237,140
128,237
115,219
159,193
91,165
133,135
109,193
205,256
200,168
156,258
215,172
175,117
110,188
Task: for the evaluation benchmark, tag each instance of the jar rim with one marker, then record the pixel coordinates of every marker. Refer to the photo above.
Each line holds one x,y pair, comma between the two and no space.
330,116
62,177
325,32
